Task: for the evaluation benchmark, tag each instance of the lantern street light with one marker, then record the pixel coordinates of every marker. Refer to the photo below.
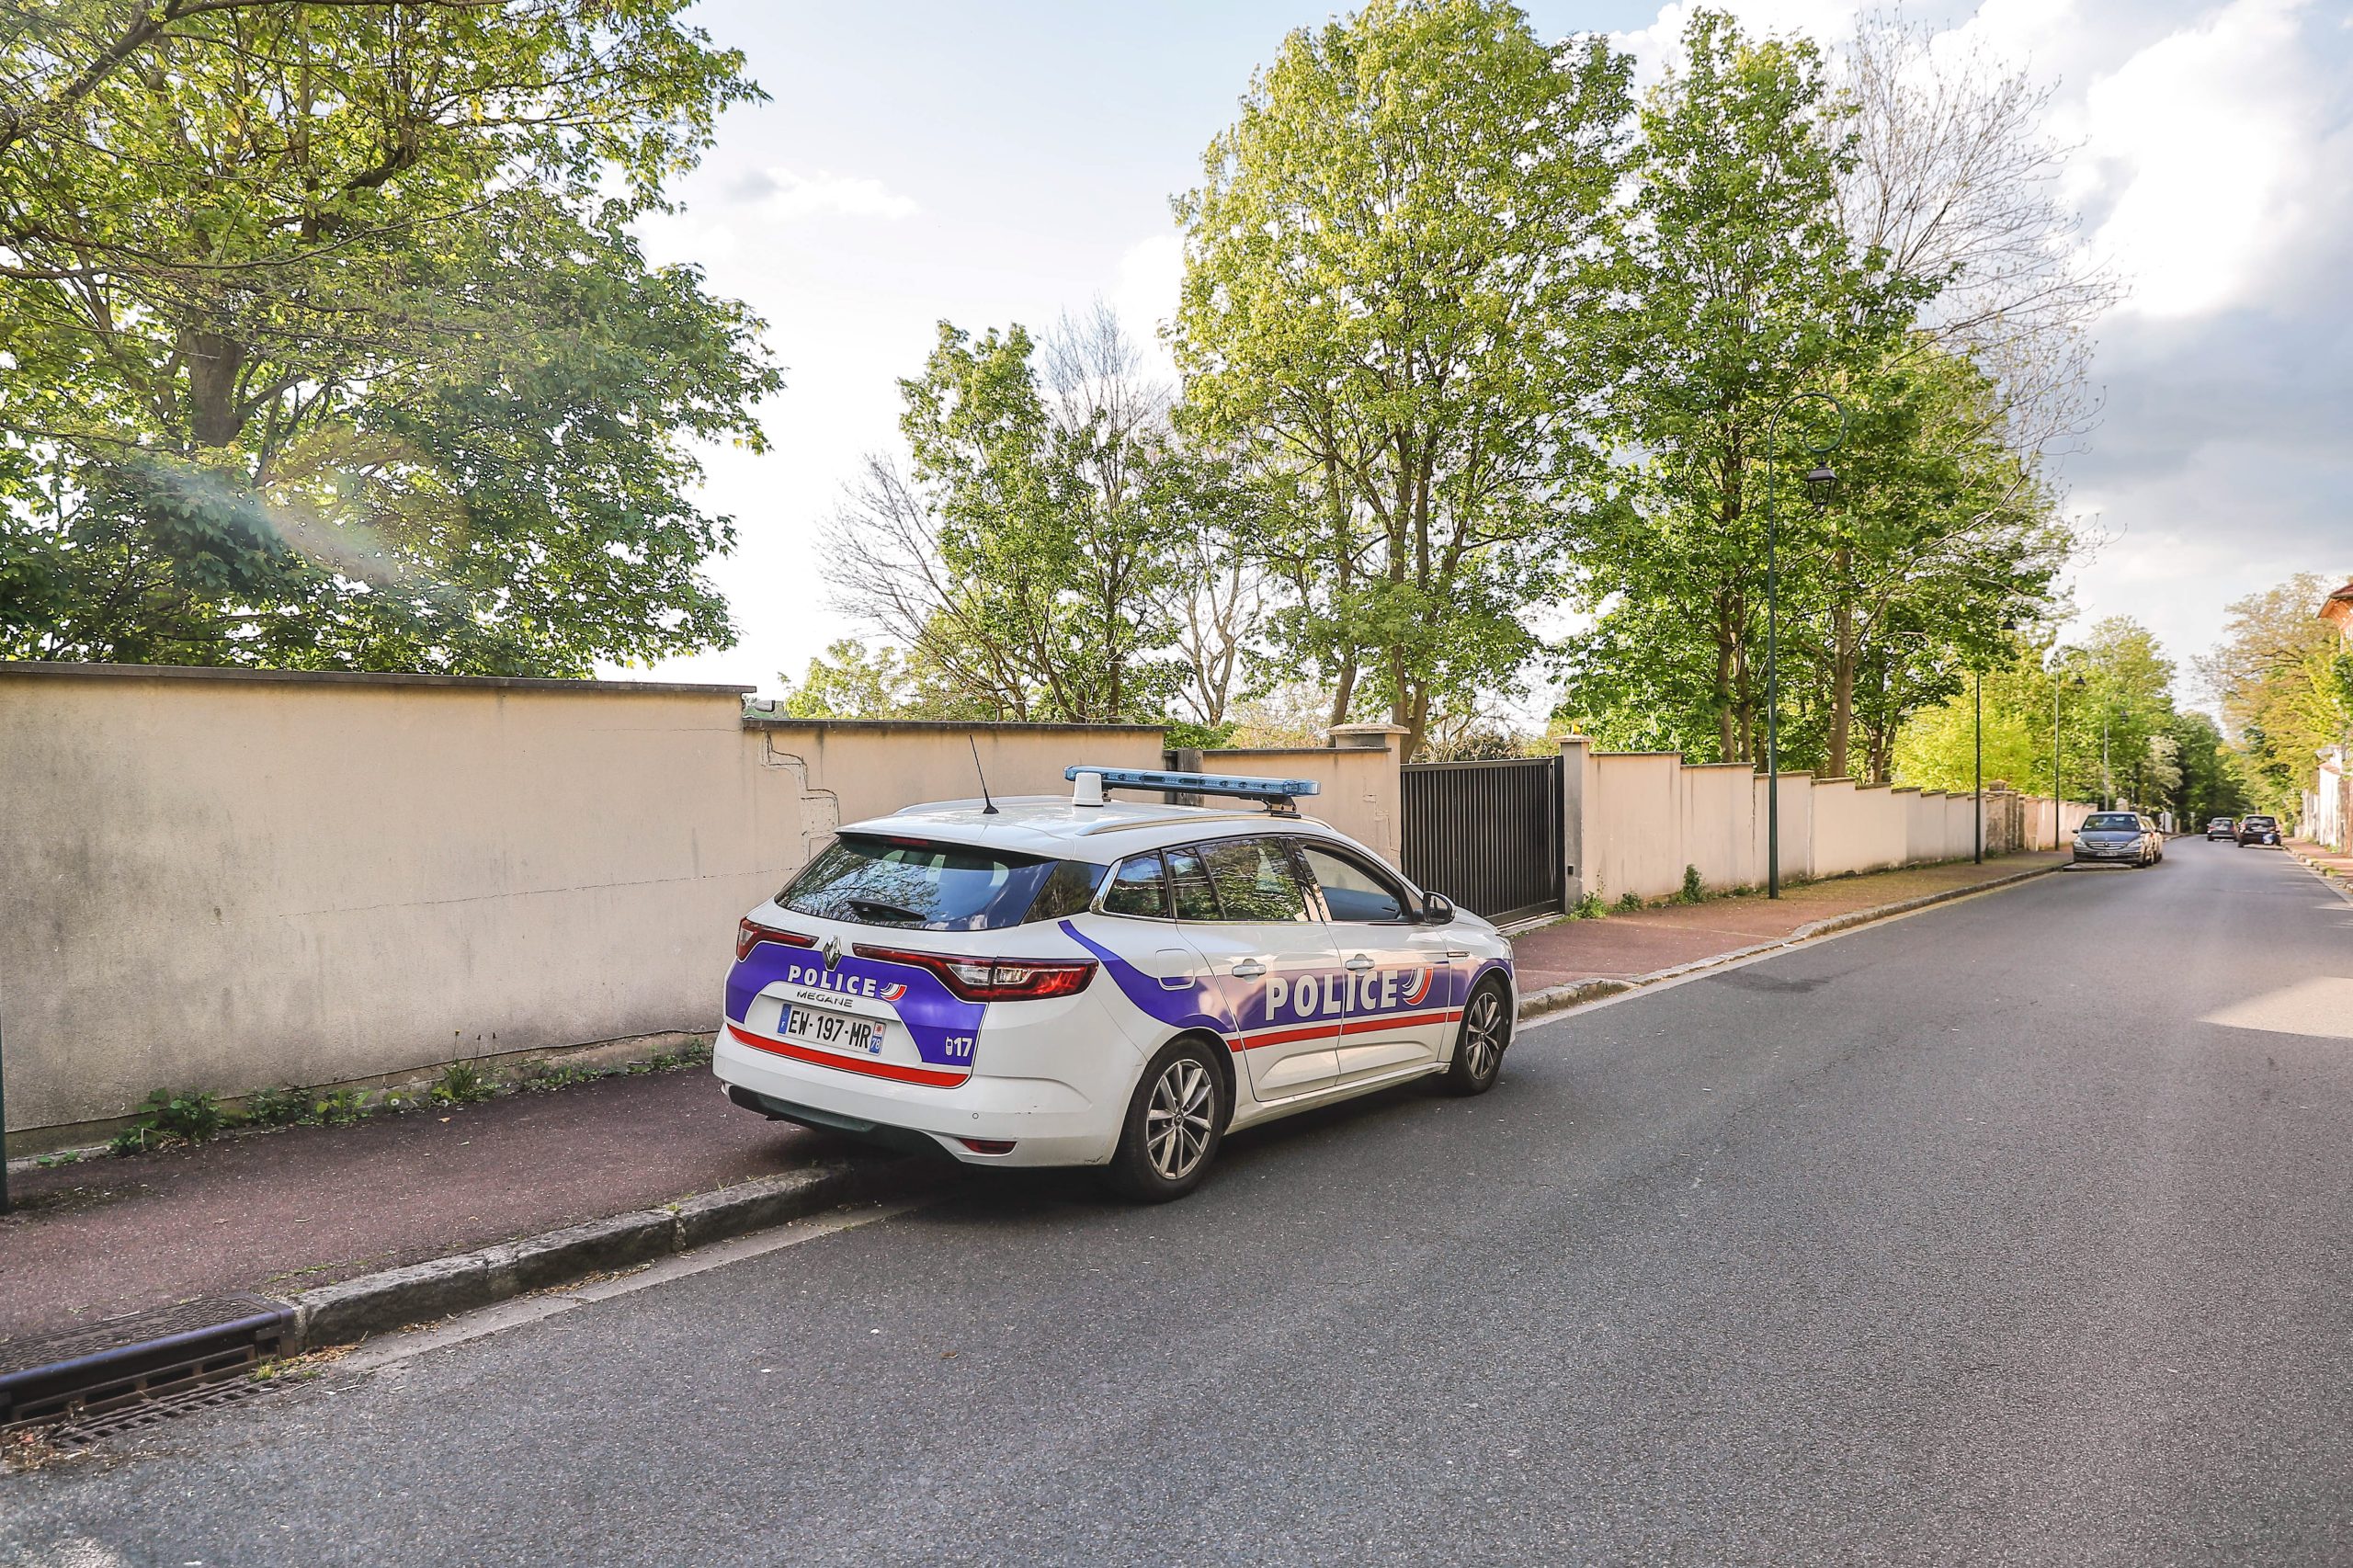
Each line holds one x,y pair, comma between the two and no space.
1820,481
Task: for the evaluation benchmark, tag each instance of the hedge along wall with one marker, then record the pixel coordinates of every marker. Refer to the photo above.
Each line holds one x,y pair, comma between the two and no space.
230,878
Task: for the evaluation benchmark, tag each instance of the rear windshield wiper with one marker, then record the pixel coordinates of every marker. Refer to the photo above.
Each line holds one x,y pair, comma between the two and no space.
875,909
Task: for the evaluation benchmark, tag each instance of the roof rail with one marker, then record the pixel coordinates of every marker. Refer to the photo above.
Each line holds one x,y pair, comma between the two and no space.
1277,794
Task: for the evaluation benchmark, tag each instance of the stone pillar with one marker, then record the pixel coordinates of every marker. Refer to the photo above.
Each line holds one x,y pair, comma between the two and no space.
1388,809
1576,802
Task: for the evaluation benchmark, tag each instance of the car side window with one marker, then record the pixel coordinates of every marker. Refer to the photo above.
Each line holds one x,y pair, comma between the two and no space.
1254,880
1189,876
1353,891
1138,888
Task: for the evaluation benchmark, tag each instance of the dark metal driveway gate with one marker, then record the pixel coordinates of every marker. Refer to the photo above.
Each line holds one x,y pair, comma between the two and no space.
1487,834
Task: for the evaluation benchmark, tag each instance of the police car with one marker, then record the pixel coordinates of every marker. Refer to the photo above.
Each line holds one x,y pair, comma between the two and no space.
1098,981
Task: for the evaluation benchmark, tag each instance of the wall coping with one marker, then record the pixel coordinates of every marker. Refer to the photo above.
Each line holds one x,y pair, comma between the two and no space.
54,670
950,726
1208,751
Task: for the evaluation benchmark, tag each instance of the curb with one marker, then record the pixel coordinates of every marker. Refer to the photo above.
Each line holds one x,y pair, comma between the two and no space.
2320,875
1576,993
373,1303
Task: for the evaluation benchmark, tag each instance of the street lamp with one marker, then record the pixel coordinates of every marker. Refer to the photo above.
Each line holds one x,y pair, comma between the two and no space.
1819,481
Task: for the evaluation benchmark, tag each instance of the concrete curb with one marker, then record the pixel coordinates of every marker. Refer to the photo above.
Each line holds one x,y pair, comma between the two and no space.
2320,875
395,1298
1575,992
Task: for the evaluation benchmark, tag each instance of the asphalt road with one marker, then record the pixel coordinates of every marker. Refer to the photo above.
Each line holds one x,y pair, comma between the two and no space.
2014,1231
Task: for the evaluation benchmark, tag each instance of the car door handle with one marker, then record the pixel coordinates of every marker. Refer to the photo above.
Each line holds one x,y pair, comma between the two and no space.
1249,968
1359,964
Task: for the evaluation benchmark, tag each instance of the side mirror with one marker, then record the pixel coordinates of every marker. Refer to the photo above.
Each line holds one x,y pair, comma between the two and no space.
1436,909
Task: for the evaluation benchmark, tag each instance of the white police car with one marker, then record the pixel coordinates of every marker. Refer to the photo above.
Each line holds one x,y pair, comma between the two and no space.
1083,982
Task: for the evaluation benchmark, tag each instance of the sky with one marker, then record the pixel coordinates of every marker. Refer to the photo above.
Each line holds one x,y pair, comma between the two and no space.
937,160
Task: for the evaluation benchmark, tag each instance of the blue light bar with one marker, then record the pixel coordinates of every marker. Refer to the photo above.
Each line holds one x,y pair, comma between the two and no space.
1272,790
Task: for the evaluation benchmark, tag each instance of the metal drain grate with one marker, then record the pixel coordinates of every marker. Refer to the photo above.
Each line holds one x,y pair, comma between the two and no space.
83,1430
105,1374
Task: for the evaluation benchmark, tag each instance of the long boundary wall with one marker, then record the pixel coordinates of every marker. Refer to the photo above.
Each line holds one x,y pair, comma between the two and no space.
1634,820
231,878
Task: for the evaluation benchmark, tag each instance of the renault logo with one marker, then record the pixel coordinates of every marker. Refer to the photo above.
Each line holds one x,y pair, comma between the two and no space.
833,952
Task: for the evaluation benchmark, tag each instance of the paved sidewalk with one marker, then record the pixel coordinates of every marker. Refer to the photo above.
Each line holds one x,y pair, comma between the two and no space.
1621,947
282,1211
2337,862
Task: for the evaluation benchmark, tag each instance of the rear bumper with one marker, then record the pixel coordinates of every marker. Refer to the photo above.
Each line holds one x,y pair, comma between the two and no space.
1048,1122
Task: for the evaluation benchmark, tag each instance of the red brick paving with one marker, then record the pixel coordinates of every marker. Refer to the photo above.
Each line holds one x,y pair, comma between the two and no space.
1622,946
278,1211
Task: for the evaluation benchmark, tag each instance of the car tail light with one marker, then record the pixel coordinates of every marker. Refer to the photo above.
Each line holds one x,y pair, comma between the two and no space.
994,979
750,934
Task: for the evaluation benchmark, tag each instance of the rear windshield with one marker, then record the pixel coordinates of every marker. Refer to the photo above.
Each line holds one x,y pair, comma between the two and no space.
2260,822
918,886
2112,822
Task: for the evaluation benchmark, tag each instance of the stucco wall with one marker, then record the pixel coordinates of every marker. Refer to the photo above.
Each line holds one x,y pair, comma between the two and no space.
1359,786
229,880
1634,820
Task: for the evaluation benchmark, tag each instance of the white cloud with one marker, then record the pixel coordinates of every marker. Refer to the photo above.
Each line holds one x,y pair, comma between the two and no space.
2202,143
788,196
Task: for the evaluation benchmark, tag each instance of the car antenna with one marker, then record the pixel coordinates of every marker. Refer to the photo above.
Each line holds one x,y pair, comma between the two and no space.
988,806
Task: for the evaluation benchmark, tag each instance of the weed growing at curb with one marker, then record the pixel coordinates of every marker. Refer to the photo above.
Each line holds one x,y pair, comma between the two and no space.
1593,905
280,1106
1694,889
190,1116
341,1108
463,1083
1630,902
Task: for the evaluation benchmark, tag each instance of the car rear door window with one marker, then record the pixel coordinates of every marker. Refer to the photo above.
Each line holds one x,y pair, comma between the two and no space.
1189,876
1138,888
1254,881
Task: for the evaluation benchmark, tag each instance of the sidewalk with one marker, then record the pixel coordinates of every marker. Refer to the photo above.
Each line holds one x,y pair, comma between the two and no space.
2320,858
277,1213
281,1213
1625,947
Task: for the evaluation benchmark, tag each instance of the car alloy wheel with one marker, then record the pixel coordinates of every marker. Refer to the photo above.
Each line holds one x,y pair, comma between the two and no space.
1479,1050
1176,1121
1180,1119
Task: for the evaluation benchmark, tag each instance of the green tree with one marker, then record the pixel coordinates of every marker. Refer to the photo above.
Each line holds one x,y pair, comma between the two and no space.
1746,290
330,344
853,680
1398,275
2280,676
1037,551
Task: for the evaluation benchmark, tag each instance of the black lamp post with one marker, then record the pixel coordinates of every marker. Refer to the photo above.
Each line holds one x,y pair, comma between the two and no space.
1819,481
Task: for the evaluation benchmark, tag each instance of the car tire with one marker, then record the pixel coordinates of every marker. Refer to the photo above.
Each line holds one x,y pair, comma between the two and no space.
1479,1044
1176,1121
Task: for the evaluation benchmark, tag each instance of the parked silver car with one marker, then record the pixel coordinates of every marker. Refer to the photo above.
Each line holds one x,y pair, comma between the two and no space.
2118,838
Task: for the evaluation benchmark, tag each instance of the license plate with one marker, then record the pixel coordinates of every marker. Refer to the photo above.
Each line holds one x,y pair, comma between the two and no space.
833,1031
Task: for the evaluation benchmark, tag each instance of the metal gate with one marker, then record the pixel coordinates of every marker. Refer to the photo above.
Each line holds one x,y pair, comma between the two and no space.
1487,834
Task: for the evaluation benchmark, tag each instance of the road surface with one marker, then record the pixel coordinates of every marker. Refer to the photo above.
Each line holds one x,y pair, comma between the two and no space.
2018,1231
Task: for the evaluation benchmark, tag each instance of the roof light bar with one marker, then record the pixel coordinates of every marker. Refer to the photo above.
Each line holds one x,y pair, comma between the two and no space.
1277,794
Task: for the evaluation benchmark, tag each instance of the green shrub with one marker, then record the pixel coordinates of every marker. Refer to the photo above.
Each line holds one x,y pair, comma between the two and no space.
463,1083
190,1116
1630,901
1592,906
1693,889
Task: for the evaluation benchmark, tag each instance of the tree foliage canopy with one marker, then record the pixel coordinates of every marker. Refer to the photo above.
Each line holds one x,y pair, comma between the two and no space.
1398,268
331,344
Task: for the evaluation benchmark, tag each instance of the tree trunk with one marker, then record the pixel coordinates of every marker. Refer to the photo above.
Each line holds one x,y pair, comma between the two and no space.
214,364
1842,677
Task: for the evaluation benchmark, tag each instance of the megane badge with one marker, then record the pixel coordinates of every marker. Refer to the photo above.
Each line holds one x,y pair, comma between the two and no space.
833,952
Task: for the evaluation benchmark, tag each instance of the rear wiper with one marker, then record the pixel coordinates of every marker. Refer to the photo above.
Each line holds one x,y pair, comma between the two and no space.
876,909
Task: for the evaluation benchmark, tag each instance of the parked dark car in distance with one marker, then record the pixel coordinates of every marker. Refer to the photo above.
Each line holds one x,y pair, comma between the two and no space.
2258,830
2223,827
